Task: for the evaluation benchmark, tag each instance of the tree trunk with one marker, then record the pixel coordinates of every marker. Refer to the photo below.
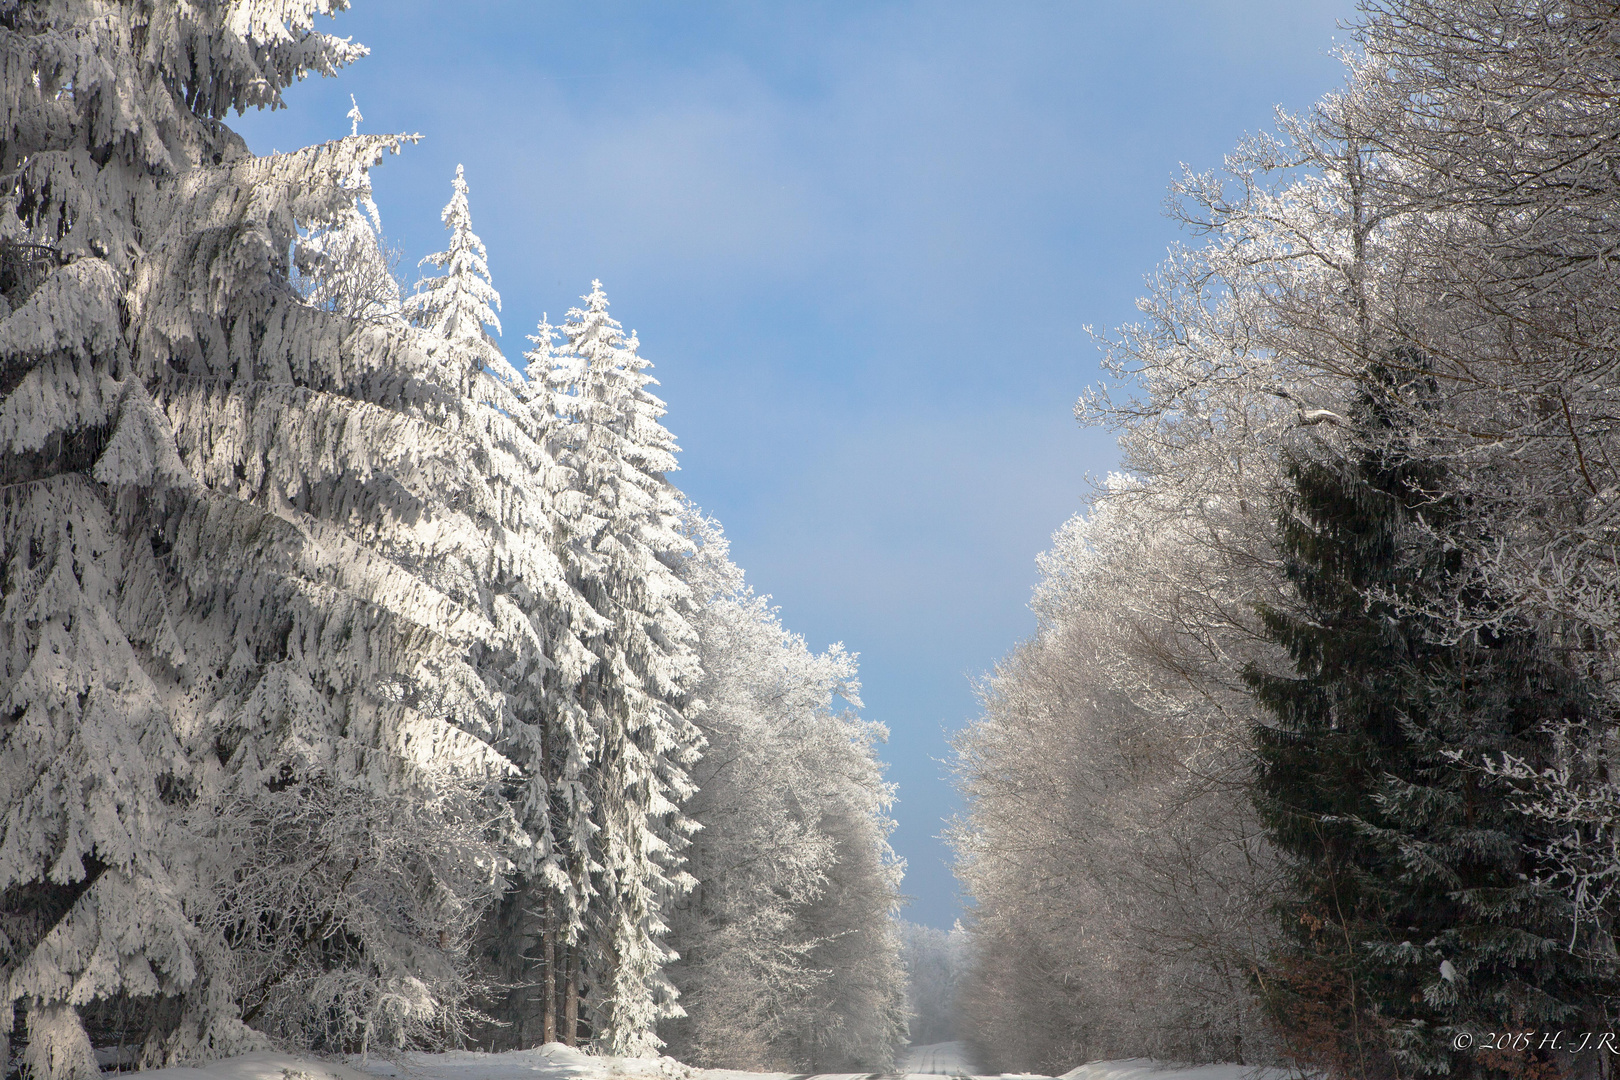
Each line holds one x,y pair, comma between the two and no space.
548,919
510,964
548,957
571,999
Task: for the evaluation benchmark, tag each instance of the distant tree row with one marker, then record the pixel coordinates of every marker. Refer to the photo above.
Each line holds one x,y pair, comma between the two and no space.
1312,758
933,961
361,691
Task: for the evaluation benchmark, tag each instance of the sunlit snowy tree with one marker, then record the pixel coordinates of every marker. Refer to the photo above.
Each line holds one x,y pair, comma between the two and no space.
260,564
460,303
618,520
538,933
346,268
112,133
765,976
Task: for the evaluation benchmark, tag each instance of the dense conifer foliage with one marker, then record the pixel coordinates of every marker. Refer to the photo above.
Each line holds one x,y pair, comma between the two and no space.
1418,909
200,652
622,517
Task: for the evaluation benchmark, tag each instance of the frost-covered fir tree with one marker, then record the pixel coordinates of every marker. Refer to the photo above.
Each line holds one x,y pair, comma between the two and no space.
260,563
1416,909
461,303
344,268
101,144
537,934
619,517
355,503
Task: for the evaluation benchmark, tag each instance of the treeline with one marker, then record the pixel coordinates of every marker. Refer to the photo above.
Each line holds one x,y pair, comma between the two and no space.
1311,758
933,961
359,690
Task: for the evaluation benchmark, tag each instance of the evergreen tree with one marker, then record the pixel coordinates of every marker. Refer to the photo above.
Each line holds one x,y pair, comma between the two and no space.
371,513
112,146
269,571
1415,913
621,839
539,930
461,303
539,900
343,267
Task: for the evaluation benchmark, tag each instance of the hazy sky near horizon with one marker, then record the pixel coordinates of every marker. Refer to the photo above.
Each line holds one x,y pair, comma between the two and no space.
861,243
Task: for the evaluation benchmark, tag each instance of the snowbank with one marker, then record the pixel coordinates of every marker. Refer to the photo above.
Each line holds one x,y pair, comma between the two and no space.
265,1066
553,1061
1148,1069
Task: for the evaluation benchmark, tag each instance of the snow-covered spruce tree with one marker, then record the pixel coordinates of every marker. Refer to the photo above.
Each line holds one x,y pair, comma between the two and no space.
459,307
460,304
618,520
535,936
753,973
248,555
344,267
410,508
108,111
1415,912
357,513
488,554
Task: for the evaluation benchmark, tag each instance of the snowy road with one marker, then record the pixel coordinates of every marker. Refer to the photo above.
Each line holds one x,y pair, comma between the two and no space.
937,1059
919,1063
556,1062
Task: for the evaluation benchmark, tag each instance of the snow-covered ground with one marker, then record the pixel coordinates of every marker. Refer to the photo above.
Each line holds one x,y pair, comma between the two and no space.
554,1061
266,1066
558,1062
1146,1069
550,1062
953,1059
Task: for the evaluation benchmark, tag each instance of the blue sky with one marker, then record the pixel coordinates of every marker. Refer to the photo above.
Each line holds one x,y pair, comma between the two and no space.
860,242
